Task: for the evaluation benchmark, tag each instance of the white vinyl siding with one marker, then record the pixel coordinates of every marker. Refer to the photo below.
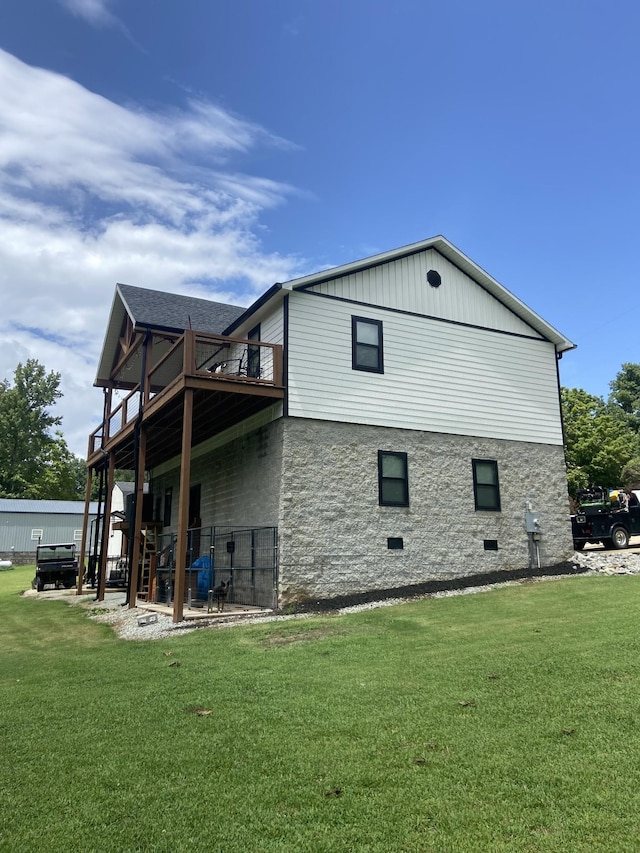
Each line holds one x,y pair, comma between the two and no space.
402,284
271,326
271,331
439,377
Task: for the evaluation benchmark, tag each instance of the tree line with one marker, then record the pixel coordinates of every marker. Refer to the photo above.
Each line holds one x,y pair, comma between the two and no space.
602,438
35,461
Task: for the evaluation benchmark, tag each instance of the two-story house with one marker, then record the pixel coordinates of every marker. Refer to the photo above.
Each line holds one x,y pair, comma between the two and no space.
384,423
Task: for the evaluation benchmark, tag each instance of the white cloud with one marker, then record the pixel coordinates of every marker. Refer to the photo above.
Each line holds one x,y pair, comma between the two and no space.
92,193
95,12
56,135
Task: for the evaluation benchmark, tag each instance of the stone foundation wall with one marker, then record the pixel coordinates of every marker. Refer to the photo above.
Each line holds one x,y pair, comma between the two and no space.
19,558
333,533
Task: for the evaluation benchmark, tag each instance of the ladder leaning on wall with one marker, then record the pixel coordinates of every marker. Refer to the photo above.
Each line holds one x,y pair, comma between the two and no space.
148,563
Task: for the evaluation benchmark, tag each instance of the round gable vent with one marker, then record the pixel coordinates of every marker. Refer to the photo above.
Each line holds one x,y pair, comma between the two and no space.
433,278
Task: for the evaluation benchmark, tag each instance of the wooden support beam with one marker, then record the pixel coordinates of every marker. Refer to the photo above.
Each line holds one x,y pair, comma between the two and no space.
85,531
134,568
278,367
106,417
183,507
146,389
104,539
189,354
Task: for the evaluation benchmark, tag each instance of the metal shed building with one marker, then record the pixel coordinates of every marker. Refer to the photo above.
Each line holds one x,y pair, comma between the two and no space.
25,523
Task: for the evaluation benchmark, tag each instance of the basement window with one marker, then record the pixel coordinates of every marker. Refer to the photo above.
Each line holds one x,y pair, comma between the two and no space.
393,479
486,488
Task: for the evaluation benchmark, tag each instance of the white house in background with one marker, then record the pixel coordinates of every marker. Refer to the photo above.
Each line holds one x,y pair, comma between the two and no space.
118,525
396,420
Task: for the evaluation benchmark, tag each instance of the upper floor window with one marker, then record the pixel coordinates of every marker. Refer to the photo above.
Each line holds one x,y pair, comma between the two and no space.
393,478
486,488
366,345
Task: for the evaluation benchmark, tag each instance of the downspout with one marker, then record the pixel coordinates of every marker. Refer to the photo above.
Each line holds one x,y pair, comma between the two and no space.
97,567
564,435
95,562
283,460
285,355
133,533
101,538
93,553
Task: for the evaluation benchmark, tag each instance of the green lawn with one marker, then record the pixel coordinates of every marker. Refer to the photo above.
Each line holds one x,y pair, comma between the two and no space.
503,721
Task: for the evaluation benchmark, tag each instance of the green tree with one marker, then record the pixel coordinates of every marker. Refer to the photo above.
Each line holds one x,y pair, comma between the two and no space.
599,443
625,393
122,475
35,461
630,474
79,467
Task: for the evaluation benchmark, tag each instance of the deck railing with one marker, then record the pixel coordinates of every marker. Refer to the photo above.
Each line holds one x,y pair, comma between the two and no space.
220,360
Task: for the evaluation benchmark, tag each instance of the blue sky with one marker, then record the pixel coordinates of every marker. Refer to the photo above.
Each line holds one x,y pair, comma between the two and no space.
214,148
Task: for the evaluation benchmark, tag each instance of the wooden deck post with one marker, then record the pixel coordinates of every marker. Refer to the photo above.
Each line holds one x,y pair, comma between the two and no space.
85,527
278,367
104,539
140,443
183,506
146,390
134,568
106,419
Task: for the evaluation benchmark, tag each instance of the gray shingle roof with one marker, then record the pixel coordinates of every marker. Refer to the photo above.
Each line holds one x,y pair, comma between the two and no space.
127,487
171,311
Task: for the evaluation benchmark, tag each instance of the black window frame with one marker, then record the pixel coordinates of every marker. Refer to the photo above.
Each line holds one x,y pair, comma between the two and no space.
253,353
480,489
382,480
356,344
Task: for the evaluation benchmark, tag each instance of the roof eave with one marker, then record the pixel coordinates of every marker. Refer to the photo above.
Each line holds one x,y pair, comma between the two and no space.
254,307
108,347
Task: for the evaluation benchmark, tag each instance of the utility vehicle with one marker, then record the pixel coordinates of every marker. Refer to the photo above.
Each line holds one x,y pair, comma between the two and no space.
55,564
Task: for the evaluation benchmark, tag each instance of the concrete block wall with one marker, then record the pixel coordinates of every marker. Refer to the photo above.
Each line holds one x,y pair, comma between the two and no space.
19,558
240,480
333,533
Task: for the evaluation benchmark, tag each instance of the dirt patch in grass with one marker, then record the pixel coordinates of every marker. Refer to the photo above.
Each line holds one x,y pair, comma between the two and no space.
287,636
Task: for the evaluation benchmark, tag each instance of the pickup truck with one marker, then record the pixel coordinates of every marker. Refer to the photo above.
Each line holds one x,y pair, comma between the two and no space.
55,564
612,527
